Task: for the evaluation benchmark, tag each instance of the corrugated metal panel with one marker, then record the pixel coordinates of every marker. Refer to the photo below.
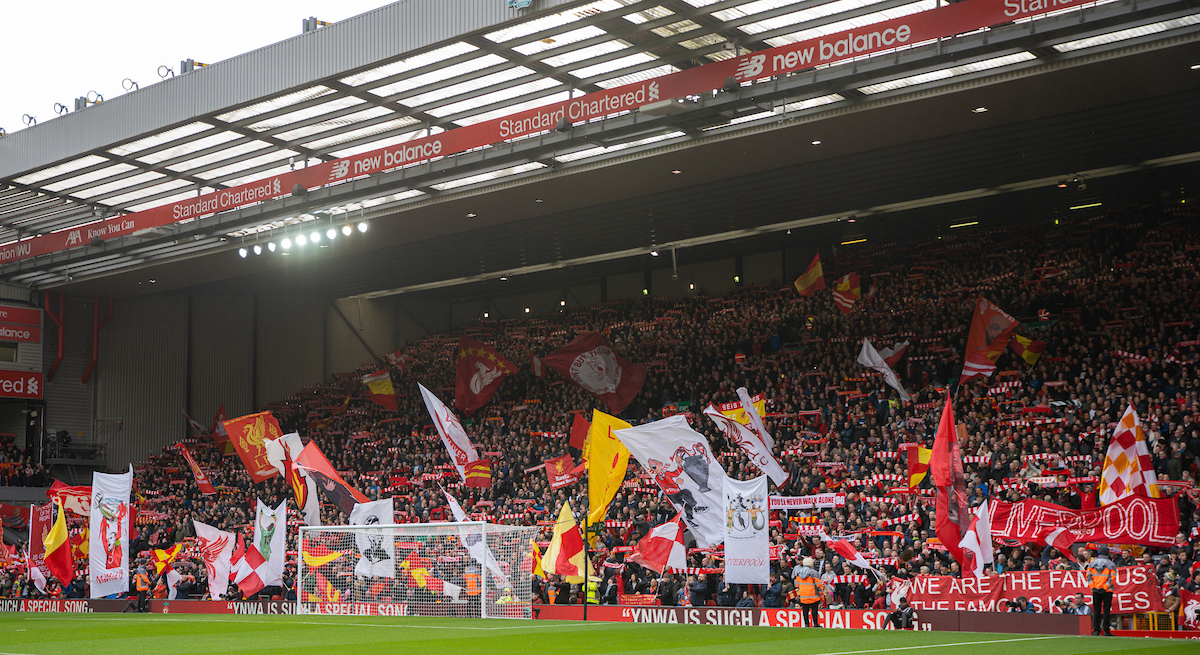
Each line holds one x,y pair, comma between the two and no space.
468,311
12,419
373,320
68,402
13,292
221,369
291,345
627,285
539,303
763,268
295,63
141,377
420,318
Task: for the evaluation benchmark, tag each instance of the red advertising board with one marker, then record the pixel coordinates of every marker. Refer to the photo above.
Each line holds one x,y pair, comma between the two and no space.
20,315
20,384
25,333
958,18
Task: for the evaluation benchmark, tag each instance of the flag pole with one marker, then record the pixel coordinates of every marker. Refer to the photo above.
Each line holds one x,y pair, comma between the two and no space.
587,561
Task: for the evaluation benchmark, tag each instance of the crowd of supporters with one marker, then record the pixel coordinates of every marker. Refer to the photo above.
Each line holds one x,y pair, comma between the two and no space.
1115,295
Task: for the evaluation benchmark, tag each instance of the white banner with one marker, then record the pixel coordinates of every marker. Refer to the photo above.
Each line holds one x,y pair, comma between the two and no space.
808,502
474,544
747,535
758,452
685,469
454,437
375,547
108,533
216,549
270,538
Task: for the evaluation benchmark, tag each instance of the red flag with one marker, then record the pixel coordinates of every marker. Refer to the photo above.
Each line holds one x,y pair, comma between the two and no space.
991,329
1189,614
219,435
662,548
1028,349
1060,538
342,495
812,279
846,291
383,394
590,362
480,371
579,431
561,471
249,434
58,548
76,500
945,467
478,473
202,480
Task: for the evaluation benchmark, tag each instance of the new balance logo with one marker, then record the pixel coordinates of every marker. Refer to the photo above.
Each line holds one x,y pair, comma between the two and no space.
339,170
751,67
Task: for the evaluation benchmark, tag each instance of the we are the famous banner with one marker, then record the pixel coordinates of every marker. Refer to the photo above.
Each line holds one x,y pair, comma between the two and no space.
1135,590
1131,520
883,36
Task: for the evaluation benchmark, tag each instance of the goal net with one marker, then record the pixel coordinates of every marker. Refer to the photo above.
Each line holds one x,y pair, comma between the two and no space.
469,569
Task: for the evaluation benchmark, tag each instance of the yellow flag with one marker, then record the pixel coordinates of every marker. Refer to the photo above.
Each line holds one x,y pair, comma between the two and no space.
564,556
607,460
537,560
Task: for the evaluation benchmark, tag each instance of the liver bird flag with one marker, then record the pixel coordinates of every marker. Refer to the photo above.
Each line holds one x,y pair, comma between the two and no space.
249,435
480,371
590,362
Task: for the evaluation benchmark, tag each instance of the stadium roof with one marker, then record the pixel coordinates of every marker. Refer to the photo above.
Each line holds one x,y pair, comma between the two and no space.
1104,92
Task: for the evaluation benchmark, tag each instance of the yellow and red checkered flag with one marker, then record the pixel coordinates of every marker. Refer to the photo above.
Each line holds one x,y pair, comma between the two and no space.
479,473
1128,469
162,558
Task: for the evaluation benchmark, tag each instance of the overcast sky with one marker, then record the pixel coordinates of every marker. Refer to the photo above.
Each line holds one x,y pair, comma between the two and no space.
56,51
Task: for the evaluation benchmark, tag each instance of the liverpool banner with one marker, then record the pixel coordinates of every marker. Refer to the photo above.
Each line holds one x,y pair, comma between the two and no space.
454,437
480,371
747,538
39,527
1131,520
108,545
1135,589
561,471
808,502
591,363
249,435
684,467
755,449
375,547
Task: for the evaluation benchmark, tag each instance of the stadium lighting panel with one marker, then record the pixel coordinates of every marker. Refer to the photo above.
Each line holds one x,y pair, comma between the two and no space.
1131,33
946,73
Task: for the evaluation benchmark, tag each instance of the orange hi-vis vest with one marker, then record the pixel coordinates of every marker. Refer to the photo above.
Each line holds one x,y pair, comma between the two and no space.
807,590
142,582
1100,579
472,582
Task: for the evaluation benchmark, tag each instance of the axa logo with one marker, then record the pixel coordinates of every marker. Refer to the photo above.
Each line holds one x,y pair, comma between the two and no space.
751,67
654,91
74,238
340,170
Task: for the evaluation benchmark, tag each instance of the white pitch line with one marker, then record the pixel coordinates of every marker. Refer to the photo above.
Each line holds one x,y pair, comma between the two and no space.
961,643
158,618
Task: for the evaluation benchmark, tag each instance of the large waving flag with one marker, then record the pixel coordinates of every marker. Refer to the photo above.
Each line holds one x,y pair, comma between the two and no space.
419,576
945,464
220,435
662,548
249,435
109,531
282,454
251,572
812,279
871,358
479,474
1128,468
342,495
607,459
976,543
162,558
991,328
58,548
216,549
473,544
565,557
590,362
1029,349
850,554
376,548
454,437
846,292
383,394
686,470
202,481
76,500
480,371
754,448
270,534
754,411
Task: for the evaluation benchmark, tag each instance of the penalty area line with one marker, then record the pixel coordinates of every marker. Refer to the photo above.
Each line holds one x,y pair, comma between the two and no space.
959,643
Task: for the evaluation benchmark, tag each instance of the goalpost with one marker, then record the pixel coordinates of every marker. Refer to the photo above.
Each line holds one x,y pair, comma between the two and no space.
469,569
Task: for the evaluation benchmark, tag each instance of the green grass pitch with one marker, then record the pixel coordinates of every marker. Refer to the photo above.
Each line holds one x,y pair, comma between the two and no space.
129,634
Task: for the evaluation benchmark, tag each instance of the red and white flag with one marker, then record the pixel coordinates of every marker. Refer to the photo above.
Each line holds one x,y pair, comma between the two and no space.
216,549
1060,538
454,437
976,544
76,500
538,369
1128,468
662,548
991,329
893,355
851,554
875,361
202,481
754,448
846,291
1189,609
590,362
480,371
251,572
